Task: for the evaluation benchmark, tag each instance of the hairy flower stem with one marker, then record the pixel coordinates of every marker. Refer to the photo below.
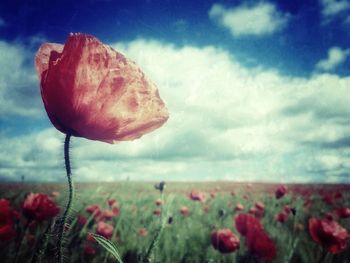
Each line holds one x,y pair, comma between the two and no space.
63,220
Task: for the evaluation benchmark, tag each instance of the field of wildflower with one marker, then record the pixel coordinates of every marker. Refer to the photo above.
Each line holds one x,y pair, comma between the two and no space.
177,222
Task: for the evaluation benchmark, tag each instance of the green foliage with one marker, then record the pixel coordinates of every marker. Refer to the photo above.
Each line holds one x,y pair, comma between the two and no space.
109,246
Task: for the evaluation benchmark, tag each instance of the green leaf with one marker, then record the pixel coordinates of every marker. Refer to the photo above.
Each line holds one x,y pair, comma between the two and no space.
109,246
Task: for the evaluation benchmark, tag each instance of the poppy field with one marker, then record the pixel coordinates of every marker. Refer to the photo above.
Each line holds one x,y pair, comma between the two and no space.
177,222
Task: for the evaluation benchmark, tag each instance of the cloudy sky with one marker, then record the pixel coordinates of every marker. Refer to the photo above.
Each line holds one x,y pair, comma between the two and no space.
257,90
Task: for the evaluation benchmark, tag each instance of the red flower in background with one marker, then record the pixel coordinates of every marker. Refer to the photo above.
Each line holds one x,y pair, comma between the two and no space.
328,199
157,212
82,220
260,206
281,191
142,232
104,229
39,207
92,208
112,202
245,222
287,209
184,211
281,217
90,90
55,194
224,240
329,234
239,207
102,215
197,196
89,250
260,244
7,221
343,212
159,202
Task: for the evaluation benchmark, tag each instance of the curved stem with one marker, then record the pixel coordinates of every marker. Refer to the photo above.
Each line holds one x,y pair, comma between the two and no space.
70,200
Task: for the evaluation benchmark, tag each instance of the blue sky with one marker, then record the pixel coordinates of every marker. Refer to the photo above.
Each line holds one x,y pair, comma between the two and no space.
257,90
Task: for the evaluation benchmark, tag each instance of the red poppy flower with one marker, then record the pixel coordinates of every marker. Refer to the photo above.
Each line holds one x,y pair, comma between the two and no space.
89,250
260,244
328,199
104,229
246,222
39,207
224,240
197,196
239,207
90,90
82,220
112,202
102,215
157,212
287,209
90,237
329,234
92,208
281,191
7,217
260,206
55,194
281,217
142,232
338,195
184,211
343,212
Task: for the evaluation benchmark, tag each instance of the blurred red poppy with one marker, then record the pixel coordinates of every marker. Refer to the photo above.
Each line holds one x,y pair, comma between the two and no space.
39,207
89,250
90,90
112,202
260,244
239,207
102,215
329,234
82,220
157,212
281,217
343,212
197,196
92,208
338,196
104,229
260,206
224,240
7,221
246,222
184,211
142,232
281,191
287,209
55,194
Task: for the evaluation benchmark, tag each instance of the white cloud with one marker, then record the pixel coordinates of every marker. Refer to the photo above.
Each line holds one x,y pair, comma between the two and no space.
260,19
19,86
336,56
334,10
226,122
334,7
